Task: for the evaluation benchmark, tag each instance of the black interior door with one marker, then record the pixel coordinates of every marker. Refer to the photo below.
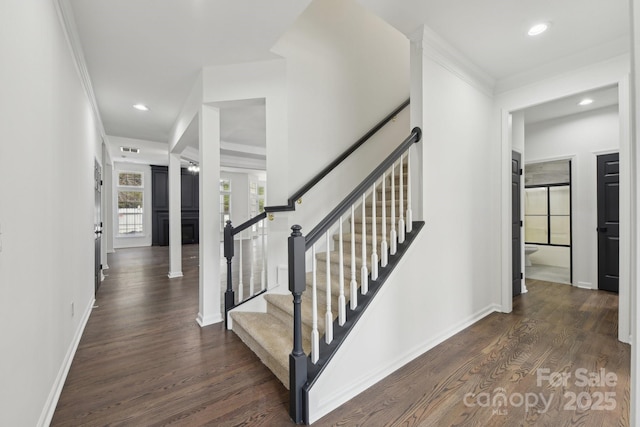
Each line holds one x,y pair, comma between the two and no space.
608,222
516,223
97,224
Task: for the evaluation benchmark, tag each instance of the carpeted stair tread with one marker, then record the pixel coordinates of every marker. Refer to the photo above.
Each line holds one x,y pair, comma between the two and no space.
269,337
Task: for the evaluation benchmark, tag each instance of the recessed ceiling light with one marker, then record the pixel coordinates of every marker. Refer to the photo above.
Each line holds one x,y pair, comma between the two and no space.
538,29
585,101
141,107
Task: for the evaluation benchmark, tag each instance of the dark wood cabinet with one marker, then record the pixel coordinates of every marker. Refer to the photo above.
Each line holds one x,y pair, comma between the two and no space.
160,206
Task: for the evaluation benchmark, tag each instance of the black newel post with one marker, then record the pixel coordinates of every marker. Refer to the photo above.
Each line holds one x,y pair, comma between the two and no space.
297,358
229,295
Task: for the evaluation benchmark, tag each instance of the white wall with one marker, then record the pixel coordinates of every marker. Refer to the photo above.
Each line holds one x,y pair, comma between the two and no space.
346,70
46,210
551,255
145,238
579,137
444,282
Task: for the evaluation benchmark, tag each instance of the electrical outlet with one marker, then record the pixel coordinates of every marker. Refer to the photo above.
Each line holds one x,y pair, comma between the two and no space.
73,309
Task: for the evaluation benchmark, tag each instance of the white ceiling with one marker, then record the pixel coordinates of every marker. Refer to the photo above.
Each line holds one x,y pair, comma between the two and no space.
151,51
603,97
492,33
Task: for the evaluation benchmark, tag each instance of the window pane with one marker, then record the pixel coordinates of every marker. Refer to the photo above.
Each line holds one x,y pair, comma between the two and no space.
225,203
132,179
225,185
130,212
535,201
560,230
559,201
535,229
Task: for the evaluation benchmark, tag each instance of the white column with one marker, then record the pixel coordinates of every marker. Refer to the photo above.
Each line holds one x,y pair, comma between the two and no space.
209,297
175,217
517,132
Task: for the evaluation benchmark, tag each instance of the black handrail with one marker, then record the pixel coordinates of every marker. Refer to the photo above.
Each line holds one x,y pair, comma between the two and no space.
333,216
290,206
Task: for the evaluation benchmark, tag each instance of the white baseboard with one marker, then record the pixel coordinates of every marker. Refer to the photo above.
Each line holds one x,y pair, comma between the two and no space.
54,395
174,274
585,285
327,404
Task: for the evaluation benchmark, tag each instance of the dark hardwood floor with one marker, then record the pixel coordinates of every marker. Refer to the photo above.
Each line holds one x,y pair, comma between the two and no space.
144,361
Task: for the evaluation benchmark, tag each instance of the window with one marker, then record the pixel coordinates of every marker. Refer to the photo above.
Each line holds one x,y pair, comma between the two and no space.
547,217
225,202
130,203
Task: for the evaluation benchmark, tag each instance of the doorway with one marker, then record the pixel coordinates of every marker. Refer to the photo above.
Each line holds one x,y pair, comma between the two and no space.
584,267
548,221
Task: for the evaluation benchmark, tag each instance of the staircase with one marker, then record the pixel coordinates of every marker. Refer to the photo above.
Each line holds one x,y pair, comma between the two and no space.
270,334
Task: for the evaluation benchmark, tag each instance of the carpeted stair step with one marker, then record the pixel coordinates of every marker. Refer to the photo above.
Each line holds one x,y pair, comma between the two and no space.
269,338
281,306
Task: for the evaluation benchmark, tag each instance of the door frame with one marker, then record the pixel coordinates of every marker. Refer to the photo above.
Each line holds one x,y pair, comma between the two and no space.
548,91
520,155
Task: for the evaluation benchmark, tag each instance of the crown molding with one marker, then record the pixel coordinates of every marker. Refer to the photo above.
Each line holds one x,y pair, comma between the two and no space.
440,51
67,19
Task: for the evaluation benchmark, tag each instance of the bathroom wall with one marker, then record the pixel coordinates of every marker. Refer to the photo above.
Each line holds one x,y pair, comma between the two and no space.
580,137
557,256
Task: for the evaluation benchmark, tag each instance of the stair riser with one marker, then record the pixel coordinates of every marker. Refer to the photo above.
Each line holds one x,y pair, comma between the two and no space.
281,372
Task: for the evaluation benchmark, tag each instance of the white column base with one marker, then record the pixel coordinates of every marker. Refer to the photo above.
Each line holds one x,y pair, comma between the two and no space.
174,274
210,320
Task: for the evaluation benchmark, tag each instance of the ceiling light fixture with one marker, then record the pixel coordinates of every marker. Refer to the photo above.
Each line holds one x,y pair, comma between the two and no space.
141,107
538,29
193,168
585,101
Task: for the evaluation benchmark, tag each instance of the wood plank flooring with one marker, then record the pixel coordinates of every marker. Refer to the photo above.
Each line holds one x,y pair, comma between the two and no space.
144,361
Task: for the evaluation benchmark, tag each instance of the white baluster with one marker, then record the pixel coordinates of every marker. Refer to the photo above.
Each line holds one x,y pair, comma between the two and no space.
240,284
384,249
364,272
263,278
401,229
341,299
315,336
328,319
354,284
251,256
374,236
409,214
393,236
